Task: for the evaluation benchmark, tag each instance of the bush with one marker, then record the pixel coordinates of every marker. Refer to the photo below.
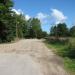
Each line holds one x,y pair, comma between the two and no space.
71,50
55,40
65,47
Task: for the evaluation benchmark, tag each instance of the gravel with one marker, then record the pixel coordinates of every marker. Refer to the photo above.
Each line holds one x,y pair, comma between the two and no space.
29,57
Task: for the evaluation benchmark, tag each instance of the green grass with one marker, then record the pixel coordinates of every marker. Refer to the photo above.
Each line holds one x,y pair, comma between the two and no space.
56,47
70,65
60,49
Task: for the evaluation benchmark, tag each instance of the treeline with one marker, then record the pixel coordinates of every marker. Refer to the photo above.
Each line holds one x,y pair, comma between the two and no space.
14,26
64,37
61,30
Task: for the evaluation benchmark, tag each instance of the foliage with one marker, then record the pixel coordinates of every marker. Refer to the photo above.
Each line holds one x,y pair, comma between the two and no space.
70,65
67,51
44,34
60,30
67,46
14,25
34,26
53,31
72,31
5,17
61,40
71,49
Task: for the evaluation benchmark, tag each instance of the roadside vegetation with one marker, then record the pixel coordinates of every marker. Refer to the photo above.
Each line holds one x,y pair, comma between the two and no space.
62,42
13,25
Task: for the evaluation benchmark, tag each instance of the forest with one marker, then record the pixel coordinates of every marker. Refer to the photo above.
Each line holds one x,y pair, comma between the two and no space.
14,25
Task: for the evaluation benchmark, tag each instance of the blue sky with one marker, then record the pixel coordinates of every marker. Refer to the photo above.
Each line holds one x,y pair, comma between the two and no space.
48,11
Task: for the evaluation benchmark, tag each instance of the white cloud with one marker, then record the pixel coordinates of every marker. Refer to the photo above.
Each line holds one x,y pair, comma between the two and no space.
58,16
18,12
27,17
42,17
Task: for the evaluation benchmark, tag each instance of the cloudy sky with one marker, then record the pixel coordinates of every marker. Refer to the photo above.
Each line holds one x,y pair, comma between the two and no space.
48,11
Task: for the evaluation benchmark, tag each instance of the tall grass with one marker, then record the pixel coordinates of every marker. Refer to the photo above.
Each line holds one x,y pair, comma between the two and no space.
66,49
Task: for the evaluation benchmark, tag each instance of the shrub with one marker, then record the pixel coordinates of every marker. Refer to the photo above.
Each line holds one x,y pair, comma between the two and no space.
71,50
59,40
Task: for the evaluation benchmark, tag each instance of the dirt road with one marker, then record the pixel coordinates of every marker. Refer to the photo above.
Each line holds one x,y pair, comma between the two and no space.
29,57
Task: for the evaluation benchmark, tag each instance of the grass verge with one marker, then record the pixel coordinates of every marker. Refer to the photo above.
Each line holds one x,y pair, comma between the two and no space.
59,49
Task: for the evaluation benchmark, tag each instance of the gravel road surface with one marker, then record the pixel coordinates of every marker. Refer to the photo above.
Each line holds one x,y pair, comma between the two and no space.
29,57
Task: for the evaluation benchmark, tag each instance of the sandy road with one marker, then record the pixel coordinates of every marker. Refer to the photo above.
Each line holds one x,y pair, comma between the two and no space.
29,57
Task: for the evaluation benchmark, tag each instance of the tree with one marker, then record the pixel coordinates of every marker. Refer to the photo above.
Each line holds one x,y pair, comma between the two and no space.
5,6
53,31
60,30
14,25
5,16
3,32
35,25
44,34
72,31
